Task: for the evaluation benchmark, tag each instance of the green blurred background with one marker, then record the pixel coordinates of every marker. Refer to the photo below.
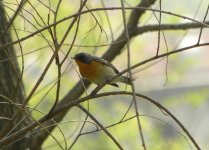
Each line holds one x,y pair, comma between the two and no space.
185,93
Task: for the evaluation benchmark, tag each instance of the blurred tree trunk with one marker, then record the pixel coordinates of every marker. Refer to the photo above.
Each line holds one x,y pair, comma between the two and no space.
11,86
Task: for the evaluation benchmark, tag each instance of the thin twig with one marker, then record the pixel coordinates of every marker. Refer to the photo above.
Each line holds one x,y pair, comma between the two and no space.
130,74
202,27
101,126
108,20
100,9
22,3
158,43
23,131
57,47
130,118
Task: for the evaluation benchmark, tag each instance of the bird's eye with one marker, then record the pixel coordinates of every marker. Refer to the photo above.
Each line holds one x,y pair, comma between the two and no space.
83,58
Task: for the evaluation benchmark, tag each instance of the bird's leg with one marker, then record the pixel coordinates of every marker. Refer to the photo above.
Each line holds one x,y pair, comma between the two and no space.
107,79
99,86
94,92
111,83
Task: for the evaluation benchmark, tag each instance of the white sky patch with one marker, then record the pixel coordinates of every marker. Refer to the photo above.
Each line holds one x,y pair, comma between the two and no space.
189,41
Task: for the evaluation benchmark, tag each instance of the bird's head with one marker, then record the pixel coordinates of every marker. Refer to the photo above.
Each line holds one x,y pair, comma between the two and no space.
84,58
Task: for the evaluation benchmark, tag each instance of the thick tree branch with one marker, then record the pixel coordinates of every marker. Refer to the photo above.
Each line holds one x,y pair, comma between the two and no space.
11,85
116,49
151,28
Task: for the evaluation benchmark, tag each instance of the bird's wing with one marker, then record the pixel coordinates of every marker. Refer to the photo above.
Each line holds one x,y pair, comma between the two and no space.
102,61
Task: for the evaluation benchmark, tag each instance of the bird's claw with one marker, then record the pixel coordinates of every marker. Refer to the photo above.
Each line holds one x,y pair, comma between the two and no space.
93,93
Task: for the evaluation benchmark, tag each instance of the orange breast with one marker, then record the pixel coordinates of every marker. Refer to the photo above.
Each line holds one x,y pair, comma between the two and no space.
93,71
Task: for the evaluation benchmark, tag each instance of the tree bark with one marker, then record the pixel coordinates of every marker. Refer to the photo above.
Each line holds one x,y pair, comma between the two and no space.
11,87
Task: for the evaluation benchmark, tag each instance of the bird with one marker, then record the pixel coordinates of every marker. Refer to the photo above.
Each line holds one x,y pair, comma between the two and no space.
98,70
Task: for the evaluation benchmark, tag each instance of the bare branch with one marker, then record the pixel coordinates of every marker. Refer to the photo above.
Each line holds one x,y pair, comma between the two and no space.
63,109
126,32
